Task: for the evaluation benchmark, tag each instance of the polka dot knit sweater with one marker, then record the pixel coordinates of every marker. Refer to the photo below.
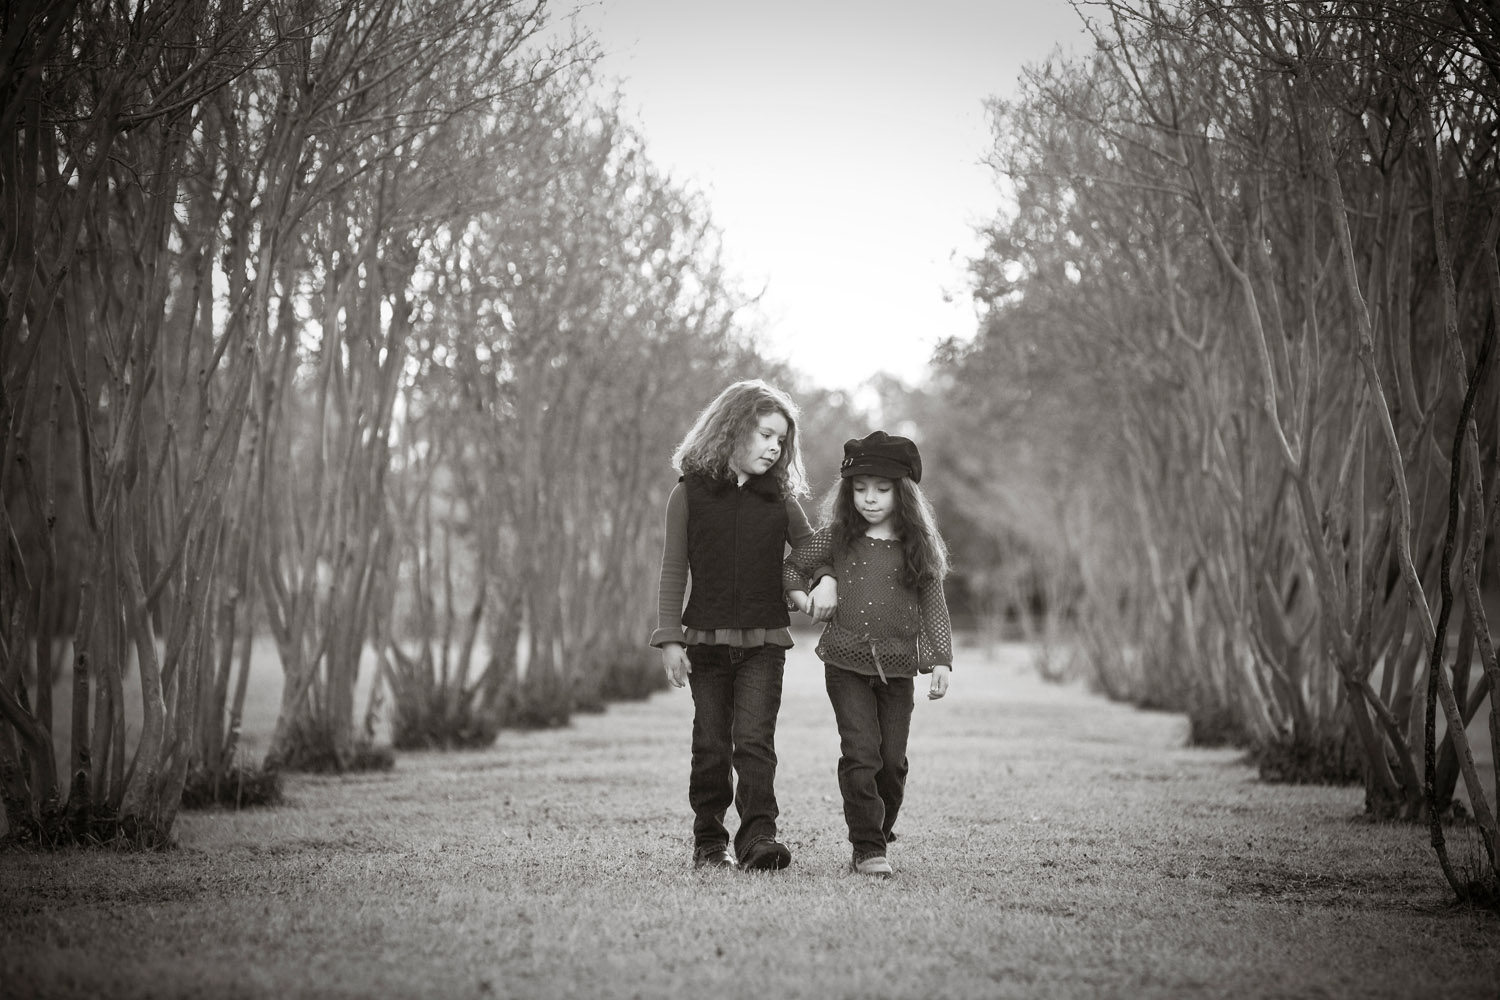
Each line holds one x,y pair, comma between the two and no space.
880,627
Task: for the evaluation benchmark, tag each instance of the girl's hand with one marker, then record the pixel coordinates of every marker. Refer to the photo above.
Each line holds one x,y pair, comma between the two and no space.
939,682
675,662
825,597
800,601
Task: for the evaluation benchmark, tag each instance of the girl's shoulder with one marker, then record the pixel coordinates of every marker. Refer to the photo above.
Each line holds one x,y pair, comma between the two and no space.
820,539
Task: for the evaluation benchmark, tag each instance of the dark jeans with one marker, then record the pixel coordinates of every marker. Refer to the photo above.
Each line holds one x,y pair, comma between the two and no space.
874,718
736,695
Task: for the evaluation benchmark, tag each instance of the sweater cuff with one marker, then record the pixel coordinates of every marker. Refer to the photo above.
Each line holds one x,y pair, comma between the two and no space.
665,635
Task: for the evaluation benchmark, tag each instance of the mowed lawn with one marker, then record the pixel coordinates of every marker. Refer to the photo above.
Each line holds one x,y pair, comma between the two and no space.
1053,845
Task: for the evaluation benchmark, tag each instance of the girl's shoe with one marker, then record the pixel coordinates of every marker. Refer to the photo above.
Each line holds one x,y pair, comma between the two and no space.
872,864
713,857
766,855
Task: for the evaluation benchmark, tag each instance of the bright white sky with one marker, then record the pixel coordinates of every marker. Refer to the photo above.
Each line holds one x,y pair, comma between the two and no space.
839,145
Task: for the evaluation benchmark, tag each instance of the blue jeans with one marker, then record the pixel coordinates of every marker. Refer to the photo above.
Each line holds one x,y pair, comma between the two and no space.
736,695
874,718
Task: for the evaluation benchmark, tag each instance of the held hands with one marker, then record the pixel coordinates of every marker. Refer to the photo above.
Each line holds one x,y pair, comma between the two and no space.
939,682
824,598
675,662
820,604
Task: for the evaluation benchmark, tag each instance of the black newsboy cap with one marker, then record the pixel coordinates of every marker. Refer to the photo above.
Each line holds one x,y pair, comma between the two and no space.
881,454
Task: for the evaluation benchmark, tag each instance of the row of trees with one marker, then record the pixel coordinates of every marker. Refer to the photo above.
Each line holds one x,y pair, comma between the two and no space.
1236,374
363,325
358,323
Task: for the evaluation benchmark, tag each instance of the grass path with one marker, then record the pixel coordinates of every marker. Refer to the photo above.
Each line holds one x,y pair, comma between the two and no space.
1053,845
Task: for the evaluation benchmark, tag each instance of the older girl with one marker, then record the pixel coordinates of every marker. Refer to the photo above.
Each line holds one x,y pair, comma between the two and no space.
729,520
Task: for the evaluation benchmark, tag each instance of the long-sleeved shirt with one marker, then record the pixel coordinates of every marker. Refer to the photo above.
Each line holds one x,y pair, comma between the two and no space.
673,584
881,626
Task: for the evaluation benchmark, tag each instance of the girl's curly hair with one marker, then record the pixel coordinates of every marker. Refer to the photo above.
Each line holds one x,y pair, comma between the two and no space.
924,553
725,423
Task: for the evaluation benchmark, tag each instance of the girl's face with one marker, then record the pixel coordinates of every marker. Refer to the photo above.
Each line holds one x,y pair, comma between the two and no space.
761,448
875,499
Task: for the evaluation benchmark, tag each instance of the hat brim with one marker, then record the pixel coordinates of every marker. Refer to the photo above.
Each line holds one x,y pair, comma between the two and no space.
876,467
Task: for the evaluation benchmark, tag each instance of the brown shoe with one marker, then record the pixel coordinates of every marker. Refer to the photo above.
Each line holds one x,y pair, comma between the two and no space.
766,855
713,857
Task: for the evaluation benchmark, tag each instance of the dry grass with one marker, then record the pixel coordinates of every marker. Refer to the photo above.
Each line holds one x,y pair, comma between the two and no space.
1053,846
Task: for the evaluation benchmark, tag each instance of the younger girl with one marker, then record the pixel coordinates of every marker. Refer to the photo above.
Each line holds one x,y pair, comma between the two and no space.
890,624
729,520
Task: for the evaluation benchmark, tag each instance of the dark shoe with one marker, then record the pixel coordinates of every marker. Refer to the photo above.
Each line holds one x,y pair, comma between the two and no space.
713,857
766,855
872,864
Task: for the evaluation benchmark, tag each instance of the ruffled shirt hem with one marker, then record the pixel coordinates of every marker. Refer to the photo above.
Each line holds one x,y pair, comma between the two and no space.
743,638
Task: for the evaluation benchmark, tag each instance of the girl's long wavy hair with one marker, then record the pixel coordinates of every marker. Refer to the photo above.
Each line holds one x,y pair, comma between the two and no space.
924,553
724,425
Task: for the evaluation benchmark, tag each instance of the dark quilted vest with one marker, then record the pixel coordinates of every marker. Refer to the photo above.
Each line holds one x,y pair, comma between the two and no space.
736,539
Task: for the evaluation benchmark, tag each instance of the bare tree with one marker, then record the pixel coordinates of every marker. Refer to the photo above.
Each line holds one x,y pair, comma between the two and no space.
1217,268
375,97
565,314
103,321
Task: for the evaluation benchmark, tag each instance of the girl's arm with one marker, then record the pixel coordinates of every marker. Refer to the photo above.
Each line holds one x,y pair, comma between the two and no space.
935,628
810,559
670,590
936,636
798,529
672,585
814,552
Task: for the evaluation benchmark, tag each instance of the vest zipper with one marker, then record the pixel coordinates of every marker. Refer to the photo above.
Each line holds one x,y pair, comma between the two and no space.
734,590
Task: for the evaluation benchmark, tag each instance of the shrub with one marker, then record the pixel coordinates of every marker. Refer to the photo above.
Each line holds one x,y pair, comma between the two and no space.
1329,759
1215,725
315,749
441,724
235,787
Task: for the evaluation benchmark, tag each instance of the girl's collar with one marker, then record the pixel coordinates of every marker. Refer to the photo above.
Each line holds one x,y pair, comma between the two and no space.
765,484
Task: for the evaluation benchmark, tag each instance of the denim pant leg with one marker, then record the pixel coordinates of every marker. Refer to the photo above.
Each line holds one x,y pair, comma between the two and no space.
855,709
710,785
893,706
757,701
